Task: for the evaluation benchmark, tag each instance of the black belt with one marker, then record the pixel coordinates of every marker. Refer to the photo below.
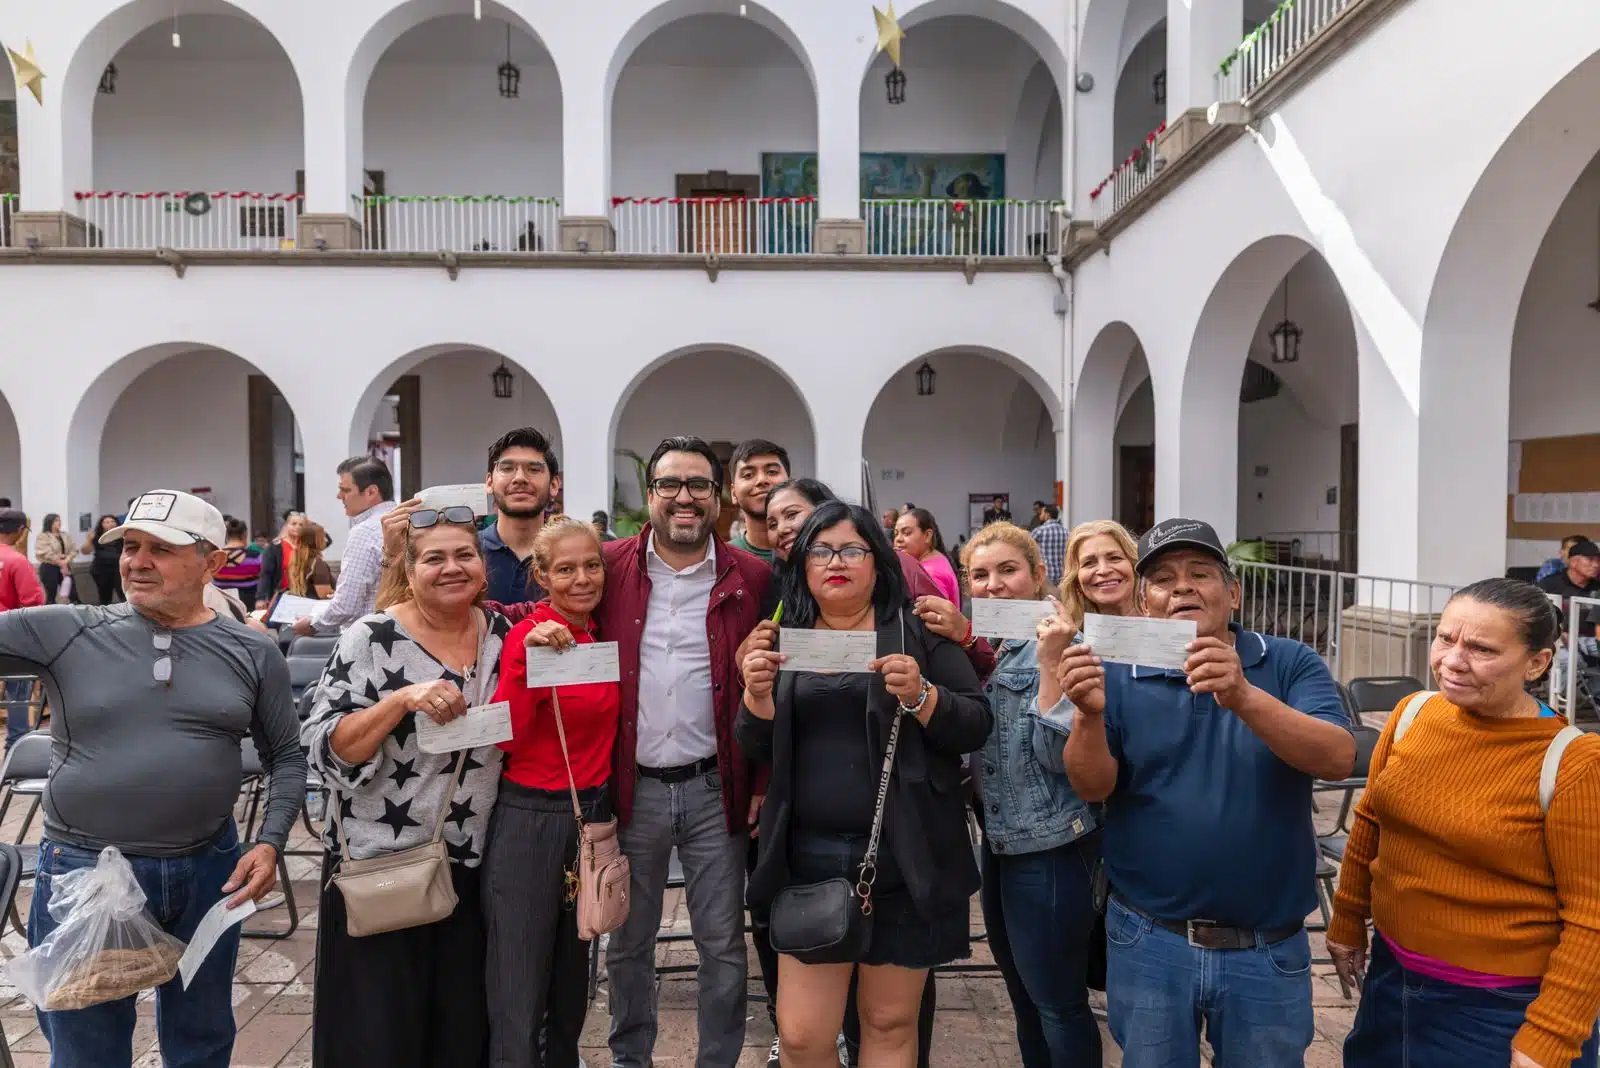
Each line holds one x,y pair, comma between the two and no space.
1205,934
681,773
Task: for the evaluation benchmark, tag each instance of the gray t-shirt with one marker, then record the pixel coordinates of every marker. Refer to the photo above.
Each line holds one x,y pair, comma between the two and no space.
149,767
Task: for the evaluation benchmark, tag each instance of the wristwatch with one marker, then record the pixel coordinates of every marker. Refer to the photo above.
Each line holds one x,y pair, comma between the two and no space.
922,699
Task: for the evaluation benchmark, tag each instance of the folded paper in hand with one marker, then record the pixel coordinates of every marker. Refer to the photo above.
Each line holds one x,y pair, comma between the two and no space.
1009,620
1157,643
481,725
575,666
470,494
827,650
290,608
212,927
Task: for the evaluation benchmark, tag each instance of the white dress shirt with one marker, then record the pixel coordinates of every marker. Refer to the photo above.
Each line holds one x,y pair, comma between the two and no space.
676,724
357,589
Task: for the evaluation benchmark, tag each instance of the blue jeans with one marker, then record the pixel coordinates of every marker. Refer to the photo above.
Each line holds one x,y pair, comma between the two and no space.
18,692
1047,900
1255,1003
195,1026
1413,1020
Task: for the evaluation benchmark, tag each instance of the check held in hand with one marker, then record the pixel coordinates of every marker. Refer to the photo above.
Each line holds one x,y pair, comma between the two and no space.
1009,620
576,665
838,651
468,494
1157,643
478,726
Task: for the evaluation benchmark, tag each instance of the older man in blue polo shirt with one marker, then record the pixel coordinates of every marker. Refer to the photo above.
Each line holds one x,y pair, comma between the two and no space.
1206,774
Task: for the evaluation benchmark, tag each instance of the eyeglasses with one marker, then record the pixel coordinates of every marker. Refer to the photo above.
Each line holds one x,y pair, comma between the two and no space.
162,670
824,554
700,489
532,468
460,514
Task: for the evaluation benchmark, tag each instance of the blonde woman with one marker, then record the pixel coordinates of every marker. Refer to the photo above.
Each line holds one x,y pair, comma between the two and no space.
308,574
1042,841
1099,572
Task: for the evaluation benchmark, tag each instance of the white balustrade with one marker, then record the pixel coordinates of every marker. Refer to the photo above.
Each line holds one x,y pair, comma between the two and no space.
1290,27
459,223
1129,179
736,226
944,227
224,221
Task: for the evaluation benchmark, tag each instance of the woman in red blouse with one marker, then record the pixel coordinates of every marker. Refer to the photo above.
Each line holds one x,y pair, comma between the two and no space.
537,967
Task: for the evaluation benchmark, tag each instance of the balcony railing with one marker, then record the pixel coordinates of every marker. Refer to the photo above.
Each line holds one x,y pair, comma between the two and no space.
8,207
1292,25
742,226
1128,180
459,223
247,222
994,228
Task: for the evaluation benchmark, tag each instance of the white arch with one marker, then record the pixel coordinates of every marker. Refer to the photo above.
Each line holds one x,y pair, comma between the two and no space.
675,10
644,373
1095,413
1099,56
80,83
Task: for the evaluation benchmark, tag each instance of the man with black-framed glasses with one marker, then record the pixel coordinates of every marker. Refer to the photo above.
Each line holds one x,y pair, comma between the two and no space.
158,693
678,602
524,477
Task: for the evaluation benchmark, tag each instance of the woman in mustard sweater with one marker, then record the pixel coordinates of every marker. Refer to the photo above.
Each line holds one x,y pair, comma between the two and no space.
1483,887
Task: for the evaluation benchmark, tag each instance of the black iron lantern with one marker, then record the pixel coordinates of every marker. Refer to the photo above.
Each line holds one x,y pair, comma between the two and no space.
1158,87
925,379
503,381
108,79
895,81
510,73
1285,337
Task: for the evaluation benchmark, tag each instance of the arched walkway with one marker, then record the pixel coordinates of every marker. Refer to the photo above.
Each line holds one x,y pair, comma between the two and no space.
718,393
987,429
1462,414
1096,411
433,413
150,133
237,441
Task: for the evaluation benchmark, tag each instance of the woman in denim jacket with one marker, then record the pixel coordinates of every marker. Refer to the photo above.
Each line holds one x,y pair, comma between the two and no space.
1042,840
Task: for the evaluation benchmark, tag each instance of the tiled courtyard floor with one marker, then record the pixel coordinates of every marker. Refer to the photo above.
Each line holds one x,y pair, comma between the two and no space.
273,998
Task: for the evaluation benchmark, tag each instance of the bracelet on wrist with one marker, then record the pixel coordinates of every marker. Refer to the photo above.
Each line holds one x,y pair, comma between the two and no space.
922,699
971,639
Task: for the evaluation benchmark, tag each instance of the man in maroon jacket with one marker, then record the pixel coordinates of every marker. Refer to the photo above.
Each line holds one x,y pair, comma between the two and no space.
679,601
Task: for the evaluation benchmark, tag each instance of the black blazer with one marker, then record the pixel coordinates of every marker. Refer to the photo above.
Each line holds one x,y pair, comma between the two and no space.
924,820
271,573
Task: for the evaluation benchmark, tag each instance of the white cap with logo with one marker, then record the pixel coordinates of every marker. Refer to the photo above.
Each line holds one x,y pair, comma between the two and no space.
175,517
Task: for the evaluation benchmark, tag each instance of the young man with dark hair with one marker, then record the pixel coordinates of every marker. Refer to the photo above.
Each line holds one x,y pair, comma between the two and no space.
1557,564
366,489
524,475
757,466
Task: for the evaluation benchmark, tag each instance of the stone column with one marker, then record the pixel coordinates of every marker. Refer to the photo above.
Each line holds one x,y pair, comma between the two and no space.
334,131
586,161
54,153
840,228
1199,34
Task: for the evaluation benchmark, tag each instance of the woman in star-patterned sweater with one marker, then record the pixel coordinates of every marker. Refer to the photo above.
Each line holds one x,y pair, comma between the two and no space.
412,998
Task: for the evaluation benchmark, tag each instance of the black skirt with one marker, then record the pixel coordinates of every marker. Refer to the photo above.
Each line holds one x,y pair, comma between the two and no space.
901,936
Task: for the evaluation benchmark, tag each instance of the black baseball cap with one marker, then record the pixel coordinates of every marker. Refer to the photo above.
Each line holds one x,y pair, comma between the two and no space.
14,519
1583,548
1172,534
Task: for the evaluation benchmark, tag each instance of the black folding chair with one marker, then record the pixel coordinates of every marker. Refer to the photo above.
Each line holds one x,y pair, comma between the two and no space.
10,879
1366,742
304,671
1382,694
313,645
253,782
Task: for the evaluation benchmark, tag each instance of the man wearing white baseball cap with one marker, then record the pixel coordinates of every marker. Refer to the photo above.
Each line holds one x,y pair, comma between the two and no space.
157,695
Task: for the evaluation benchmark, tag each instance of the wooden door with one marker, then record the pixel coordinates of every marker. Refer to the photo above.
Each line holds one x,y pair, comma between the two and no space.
718,222
1138,477
1349,493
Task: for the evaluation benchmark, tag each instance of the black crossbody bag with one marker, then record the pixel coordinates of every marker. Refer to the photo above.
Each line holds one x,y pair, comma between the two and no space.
831,922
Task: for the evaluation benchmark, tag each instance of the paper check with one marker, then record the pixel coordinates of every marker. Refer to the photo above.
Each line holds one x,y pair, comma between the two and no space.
290,608
1013,620
471,494
212,927
581,664
827,650
1157,643
482,725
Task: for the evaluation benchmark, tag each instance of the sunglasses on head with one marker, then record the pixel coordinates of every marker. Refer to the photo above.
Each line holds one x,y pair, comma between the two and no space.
460,514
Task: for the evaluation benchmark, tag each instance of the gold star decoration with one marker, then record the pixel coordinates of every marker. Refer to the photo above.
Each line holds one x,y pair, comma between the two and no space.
889,33
29,76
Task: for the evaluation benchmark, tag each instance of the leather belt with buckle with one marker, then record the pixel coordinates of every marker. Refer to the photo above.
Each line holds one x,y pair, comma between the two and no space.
682,772
1205,934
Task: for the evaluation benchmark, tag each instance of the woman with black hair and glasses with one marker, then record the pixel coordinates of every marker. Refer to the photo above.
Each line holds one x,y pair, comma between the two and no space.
826,737
409,998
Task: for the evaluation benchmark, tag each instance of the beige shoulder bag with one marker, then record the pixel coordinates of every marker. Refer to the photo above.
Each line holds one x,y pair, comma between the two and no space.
603,872
393,891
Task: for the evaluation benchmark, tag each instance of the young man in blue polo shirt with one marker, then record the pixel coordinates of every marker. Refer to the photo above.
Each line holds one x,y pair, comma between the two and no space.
524,475
1206,774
